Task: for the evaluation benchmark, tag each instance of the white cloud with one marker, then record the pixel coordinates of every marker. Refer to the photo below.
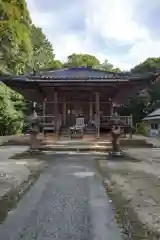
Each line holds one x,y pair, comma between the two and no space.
110,19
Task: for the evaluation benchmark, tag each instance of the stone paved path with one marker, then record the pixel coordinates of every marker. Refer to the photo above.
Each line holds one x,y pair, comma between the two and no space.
67,202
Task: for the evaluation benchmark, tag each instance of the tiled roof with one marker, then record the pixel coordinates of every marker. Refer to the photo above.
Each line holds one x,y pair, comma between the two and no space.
153,116
155,113
85,72
79,73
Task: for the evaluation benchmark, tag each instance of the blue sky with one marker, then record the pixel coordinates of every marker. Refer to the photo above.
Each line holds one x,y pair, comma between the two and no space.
125,32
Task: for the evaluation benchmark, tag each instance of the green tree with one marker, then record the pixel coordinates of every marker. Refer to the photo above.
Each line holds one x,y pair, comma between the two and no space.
23,47
42,51
15,41
78,60
11,118
15,54
149,65
144,103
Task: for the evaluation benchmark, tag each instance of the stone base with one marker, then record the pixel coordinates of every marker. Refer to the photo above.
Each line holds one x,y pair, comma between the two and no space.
116,154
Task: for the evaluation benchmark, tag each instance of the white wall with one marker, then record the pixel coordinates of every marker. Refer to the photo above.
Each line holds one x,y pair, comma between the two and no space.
154,132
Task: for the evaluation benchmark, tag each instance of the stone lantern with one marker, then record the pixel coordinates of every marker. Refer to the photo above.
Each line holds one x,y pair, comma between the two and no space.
116,132
34,132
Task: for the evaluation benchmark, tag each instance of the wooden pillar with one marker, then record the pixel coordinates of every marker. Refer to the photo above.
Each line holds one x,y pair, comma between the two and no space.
90,111
97,116
56,112
34,114
111,109
64,113
131,125
44,114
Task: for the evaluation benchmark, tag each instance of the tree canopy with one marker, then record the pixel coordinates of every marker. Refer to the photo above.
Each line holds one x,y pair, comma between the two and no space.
42,51
149,65
78,60
14,35
143,105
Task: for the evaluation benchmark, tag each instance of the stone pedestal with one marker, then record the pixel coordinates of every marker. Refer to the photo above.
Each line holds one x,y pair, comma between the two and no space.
116,133
115,142
34,140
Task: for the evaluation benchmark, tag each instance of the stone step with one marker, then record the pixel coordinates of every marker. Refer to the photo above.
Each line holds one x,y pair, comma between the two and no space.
76,145
76,148
77,142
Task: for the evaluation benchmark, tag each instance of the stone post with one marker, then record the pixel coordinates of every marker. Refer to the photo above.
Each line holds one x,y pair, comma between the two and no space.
116,133
34,131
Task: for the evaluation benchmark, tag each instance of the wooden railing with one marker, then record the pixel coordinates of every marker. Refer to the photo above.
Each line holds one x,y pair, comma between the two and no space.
48,121
126,120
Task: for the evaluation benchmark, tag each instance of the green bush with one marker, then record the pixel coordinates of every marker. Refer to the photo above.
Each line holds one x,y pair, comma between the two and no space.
140,129
11,115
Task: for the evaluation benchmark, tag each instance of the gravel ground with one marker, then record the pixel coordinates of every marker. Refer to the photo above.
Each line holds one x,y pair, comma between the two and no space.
67,202
137,185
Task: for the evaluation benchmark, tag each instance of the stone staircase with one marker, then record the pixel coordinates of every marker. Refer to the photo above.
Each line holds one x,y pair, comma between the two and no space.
90,131
76,146
64,132
65,144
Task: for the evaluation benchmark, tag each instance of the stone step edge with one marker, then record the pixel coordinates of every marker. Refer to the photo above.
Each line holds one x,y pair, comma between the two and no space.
75,149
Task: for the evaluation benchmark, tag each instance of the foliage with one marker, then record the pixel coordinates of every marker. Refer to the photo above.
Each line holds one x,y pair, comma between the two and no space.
15,55
140,129
42,51
149,65
85,60
11,117
14,35
23,47
149,100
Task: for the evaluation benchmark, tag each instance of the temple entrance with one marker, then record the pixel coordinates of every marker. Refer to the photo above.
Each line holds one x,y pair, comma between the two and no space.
75,111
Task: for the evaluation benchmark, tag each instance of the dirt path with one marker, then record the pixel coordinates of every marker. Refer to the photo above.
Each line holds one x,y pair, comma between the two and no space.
67,202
